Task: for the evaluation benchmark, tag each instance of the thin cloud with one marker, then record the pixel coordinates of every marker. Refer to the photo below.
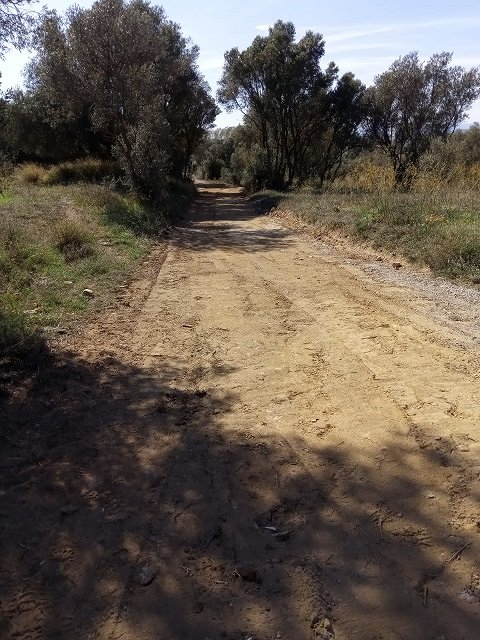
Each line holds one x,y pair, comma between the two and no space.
341,34
263,27
358,46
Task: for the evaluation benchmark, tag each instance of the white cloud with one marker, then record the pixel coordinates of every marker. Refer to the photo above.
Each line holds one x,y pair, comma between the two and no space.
263,27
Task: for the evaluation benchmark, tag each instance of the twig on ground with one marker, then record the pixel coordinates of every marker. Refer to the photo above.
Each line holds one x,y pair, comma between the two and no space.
457,553
183,510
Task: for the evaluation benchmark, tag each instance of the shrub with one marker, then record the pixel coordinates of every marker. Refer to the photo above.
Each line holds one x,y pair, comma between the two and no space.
31,173
455,249
85,170
73,240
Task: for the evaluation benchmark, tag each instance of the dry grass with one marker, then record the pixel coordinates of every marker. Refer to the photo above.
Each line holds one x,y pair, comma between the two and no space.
84,170
435,224
73,240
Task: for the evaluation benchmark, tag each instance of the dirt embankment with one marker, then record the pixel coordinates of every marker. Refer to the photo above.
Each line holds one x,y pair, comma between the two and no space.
265,439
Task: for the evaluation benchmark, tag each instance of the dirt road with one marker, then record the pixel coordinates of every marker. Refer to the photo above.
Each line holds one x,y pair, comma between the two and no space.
261,440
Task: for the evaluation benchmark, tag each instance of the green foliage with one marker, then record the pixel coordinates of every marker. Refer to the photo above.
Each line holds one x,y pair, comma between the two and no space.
299,119
412,103
115,80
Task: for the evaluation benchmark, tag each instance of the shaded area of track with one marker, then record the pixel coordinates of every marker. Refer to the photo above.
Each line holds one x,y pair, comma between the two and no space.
278,448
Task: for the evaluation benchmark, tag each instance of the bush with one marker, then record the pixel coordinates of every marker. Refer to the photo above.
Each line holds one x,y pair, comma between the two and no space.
142,154
85,170
455,249
73,240
31,173
139,217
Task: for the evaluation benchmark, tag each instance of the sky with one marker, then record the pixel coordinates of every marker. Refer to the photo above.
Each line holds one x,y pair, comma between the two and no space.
362,37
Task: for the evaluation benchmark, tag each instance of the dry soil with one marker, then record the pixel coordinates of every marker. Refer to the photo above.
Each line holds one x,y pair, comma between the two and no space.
262,439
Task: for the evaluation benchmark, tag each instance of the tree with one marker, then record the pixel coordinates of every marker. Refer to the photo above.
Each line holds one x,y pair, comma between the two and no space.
270,82
289,102
213,157
336,131
413,102
129,71
15,23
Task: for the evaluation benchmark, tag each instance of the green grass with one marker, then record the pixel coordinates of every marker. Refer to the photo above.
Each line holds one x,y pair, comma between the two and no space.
56,241
440,230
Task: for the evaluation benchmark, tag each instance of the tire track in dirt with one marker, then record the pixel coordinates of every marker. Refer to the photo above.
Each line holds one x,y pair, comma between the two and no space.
290,449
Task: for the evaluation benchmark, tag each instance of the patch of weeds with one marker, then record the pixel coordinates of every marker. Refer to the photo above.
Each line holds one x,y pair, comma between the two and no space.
135,215
16,334
73,240
364,222
265,201
5,197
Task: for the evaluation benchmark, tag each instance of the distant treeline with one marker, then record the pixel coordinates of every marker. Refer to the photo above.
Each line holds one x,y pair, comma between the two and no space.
303,122
119,81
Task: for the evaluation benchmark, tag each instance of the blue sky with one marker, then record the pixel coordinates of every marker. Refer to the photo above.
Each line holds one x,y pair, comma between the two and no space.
363,37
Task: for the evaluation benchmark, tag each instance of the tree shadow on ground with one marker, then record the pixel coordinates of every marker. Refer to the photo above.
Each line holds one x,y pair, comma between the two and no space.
216,223
129,510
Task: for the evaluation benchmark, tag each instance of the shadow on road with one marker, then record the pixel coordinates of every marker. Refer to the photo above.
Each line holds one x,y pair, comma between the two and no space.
215,222
114,477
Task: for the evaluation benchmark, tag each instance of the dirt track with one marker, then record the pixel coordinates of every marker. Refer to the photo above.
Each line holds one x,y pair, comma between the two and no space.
280,445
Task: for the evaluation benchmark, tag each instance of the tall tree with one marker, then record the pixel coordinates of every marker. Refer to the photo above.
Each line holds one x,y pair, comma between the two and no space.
414,102
130,71
287,100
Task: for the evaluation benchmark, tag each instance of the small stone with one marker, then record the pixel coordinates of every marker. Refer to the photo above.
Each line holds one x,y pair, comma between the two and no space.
145,576
379,259
88,293
69,282
397,265
431,495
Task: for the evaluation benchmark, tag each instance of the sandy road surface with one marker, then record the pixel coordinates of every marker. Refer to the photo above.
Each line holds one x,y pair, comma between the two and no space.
280,444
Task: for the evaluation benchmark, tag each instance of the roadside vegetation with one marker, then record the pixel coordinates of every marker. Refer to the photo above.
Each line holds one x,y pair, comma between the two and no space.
385,164
95,155
64,249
